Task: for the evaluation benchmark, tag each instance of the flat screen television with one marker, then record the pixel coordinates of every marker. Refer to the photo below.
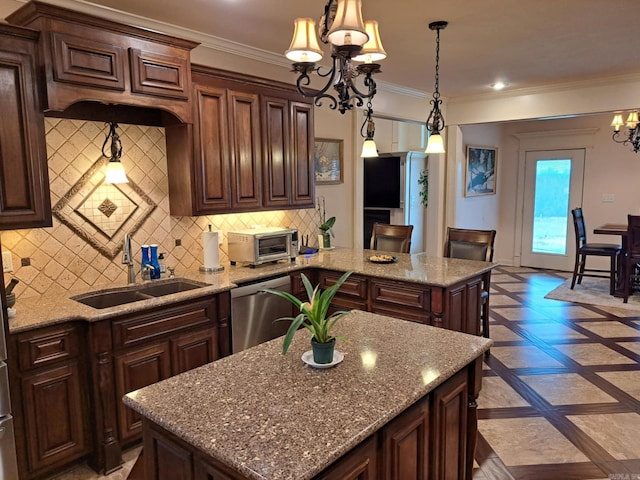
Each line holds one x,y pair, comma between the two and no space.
382,182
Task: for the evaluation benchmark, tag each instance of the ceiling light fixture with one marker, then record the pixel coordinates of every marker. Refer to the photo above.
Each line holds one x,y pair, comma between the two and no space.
115,170
633,130
435,121
350,39
369,148
499,85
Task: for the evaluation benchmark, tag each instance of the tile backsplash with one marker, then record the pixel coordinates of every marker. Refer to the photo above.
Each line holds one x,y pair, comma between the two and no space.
62,258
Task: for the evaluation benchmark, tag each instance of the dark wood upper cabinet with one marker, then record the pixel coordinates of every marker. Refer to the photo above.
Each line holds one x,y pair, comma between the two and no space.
24,177
250,148
86,58
276,174
245,138
302,137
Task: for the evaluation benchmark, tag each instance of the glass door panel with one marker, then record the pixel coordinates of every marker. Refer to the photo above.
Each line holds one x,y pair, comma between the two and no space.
553,186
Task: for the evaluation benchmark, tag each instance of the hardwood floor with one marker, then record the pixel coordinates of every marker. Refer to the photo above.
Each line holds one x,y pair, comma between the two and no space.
561,389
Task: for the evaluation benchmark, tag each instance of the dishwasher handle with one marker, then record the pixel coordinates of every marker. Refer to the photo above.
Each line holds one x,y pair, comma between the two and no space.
279,283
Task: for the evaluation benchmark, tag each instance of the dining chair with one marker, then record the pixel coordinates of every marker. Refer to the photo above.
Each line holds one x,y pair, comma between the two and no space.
585,249
391,238
632,258
473,245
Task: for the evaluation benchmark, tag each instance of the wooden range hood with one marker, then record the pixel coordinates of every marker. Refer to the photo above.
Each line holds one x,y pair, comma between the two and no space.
96,69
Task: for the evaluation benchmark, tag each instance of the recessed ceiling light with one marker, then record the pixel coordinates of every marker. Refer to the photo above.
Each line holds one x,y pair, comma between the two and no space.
499,85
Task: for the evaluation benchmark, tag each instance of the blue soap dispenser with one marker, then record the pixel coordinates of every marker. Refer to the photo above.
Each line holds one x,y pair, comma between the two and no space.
155,273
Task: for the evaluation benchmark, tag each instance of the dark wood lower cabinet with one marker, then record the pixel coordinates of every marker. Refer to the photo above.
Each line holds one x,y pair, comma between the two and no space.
361,463
405,444
434,439
54,415
67,380
50,398
135,369
454,307
450,428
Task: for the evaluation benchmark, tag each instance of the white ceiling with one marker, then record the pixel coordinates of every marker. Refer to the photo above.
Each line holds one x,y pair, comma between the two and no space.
529,43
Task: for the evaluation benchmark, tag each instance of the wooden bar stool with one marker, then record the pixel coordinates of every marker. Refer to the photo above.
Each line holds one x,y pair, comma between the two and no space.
391,238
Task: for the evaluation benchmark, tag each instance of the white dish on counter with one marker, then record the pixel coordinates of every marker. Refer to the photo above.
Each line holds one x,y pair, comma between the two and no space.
307,357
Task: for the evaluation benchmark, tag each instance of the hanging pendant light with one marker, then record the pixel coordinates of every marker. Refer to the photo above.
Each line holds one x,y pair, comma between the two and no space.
369,148
435,121
115,170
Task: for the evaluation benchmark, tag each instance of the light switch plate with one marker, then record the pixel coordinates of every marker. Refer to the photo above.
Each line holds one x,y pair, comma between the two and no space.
608,197
7,262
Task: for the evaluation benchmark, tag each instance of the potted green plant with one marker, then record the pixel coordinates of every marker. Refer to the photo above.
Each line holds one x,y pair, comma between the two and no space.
326,227
314,317
327,233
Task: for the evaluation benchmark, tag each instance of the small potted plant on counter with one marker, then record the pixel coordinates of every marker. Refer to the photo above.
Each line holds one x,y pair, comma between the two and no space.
324,239
314,317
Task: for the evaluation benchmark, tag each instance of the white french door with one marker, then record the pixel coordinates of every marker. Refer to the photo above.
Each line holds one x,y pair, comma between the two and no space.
552,188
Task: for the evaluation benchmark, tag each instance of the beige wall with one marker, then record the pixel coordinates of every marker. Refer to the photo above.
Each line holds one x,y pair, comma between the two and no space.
610,168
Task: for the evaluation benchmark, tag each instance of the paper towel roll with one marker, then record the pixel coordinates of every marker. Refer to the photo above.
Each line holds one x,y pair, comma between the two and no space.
211,250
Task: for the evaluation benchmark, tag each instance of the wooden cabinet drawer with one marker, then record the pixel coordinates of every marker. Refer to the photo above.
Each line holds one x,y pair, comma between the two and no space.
400,299
355,286
45,346
353,293
163,322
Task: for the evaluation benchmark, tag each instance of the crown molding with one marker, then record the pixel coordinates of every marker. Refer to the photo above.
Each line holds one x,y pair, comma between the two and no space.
552,88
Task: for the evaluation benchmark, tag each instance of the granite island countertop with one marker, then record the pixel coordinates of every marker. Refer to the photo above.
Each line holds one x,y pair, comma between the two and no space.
270,416
35,312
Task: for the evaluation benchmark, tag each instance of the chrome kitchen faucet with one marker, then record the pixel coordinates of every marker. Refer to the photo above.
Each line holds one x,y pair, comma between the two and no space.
127,258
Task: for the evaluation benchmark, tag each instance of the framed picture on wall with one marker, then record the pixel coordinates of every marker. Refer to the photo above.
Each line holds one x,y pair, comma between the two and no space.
328,161
480,171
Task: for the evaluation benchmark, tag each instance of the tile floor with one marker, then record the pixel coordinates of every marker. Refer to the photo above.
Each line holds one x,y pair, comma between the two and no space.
561,388
560,397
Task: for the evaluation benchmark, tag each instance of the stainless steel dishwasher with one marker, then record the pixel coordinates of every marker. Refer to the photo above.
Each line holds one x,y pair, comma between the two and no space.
253,313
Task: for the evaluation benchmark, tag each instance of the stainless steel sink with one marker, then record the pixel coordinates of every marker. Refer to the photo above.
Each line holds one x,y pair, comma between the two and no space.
112,298
167,288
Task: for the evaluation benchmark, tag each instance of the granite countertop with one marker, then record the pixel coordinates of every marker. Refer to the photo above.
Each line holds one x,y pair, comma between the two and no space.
35,312
270,416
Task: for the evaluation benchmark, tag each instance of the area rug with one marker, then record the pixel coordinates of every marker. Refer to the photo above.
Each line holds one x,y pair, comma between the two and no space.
594,291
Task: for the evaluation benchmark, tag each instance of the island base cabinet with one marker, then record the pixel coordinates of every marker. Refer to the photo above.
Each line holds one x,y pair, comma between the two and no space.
359,464
405,444
428,441
451,429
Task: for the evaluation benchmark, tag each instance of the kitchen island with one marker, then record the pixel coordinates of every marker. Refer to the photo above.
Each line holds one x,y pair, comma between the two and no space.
400,405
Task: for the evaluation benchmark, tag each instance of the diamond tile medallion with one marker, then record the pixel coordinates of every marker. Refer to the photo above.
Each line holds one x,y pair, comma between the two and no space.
102,213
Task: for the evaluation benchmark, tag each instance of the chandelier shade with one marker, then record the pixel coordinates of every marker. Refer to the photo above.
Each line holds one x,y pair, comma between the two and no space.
304,45
348,27
372,51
